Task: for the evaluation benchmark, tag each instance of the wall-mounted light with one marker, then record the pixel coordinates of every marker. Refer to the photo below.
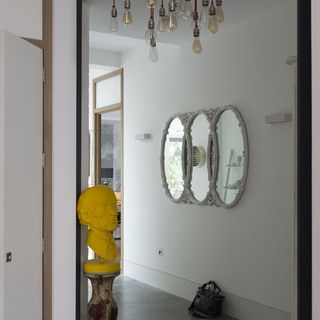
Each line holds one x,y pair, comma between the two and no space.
143,136
198,156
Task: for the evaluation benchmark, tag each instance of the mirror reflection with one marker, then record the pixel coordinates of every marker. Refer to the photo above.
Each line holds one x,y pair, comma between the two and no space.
174,229
173,165
231,157
200,178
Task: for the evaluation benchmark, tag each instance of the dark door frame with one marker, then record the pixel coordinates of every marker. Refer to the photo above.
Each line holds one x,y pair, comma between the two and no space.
304,161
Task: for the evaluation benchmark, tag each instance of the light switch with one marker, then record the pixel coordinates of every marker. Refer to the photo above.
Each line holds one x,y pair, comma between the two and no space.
9,257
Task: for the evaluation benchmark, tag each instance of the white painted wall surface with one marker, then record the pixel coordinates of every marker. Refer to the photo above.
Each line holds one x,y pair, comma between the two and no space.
64,158
248,249
105,57
316,157
22,17
2,254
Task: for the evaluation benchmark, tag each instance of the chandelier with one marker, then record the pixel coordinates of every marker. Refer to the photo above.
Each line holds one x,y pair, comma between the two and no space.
209,16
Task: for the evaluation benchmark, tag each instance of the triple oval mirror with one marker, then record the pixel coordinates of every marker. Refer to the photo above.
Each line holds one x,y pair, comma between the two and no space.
204,157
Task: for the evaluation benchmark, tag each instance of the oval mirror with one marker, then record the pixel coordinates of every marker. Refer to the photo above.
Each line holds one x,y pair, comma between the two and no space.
232,166
199,153
173,159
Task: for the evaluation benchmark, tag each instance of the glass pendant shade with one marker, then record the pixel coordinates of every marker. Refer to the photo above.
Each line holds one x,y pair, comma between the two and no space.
151,3
220,14
162,24
173,21
150,36
182,6
204,16
153,54
213,26
187,13
127,18
114,25
197,47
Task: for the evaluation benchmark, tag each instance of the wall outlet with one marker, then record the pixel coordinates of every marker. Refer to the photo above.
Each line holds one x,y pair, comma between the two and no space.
160,252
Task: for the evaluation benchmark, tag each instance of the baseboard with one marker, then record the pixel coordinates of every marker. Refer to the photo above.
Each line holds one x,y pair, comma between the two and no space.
235,306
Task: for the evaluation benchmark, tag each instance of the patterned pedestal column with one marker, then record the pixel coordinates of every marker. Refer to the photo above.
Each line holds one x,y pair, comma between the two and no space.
102,306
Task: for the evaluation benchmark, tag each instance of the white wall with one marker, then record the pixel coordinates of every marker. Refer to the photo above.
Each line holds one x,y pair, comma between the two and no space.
64,159
316,157
105,57
2,253
248,249
21,17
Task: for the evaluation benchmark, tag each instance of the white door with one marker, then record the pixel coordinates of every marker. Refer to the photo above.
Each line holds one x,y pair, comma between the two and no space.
23,101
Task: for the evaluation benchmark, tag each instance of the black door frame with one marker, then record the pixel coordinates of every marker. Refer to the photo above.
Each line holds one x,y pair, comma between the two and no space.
304,174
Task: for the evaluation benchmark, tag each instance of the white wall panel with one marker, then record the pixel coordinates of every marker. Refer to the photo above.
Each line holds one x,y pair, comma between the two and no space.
64,158
22,17
247,249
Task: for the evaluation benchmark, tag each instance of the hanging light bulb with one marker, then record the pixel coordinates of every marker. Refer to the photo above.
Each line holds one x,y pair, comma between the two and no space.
196,47
114,25
151,3
219,10
153,53
204,14
151,33
162,24
187,13
213,26
127,16
173,22
182,6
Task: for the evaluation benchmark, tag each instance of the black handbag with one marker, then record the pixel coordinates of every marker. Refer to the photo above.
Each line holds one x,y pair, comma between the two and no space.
207,303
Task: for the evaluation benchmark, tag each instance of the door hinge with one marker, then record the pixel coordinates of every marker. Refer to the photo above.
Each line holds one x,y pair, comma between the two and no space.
43,160
42,245
43,75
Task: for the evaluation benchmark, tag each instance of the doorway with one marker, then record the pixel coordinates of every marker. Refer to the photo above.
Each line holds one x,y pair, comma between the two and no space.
106,165
304,223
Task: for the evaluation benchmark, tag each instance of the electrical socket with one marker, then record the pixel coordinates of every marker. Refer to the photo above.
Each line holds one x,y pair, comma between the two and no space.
160,252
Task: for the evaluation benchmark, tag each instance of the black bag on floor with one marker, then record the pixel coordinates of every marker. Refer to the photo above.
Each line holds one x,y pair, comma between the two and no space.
207,303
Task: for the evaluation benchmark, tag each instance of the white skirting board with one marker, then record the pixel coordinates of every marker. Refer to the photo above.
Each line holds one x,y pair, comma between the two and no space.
234,306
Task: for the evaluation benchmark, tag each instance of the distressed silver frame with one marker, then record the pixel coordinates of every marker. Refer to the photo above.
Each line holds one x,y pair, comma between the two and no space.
211,152
187,119
243,128
184,118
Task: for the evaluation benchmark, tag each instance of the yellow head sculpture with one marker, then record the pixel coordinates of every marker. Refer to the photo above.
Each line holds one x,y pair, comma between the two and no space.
97,209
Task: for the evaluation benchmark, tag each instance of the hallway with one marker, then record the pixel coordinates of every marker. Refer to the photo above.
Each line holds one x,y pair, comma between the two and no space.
138,301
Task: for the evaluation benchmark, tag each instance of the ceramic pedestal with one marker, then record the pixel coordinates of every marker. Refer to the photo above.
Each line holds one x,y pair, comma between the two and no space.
102,305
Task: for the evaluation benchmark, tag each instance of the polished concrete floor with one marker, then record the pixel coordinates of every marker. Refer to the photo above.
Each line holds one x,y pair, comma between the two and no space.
137,301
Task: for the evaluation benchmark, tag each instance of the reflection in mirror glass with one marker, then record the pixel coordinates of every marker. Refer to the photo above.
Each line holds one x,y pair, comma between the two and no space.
173,158
200,179
231,157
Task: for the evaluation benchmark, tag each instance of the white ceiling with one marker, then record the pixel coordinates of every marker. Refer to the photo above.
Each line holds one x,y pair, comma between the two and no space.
236,11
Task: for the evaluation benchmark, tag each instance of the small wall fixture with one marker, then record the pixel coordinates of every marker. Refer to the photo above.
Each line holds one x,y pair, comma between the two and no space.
198,156
143,136
278,118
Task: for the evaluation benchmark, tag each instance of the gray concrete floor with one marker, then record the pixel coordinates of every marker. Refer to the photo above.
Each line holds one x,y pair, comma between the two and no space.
138,301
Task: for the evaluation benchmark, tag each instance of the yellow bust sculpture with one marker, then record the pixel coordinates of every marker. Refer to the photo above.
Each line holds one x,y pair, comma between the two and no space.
97,209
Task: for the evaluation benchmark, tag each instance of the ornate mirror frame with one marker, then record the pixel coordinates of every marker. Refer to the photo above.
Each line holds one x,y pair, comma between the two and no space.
184,118
243,128
187,119
211,152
